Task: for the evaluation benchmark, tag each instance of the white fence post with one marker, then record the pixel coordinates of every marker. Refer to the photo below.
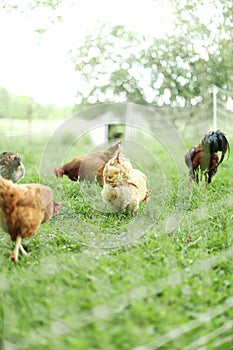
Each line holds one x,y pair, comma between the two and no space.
215,91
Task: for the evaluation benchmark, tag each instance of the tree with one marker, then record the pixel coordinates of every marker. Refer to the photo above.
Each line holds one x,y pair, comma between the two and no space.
104,63
115,64
208,26
30,4
24,107
119,65
50,8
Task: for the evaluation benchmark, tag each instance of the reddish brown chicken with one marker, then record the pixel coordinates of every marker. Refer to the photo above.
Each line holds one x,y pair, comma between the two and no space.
88,167
22,209
203,159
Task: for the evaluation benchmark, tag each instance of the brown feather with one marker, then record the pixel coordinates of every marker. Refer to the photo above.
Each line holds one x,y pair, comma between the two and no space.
24,207
88,167
199,158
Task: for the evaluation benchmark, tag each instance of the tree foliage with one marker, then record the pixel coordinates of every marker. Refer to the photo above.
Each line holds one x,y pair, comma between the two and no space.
30,4
118,65
24,107
115,64
208,26
48,10
110,65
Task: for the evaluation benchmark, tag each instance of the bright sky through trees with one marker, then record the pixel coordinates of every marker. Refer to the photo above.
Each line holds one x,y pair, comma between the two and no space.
39,65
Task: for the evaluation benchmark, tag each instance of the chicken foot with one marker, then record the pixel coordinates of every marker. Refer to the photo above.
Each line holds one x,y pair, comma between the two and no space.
18,246
23,251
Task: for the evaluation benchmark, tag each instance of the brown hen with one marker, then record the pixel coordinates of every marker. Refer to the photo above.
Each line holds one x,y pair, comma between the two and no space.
89,166
22,209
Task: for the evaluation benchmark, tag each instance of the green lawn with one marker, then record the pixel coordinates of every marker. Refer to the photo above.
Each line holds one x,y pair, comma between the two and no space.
159,279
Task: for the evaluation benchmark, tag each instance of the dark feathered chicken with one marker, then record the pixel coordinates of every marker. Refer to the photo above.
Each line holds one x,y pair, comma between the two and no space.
11,166
204,157
89,166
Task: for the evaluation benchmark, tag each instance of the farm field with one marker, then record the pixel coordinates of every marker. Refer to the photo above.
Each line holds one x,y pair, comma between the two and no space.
93,279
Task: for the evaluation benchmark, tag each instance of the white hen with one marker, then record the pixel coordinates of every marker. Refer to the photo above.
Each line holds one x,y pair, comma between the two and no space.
124,187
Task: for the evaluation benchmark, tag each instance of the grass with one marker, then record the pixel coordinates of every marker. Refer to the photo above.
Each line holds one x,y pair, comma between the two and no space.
159,279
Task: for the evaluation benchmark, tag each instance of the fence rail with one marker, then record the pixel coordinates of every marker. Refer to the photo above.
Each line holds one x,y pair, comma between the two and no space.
191,122
17,127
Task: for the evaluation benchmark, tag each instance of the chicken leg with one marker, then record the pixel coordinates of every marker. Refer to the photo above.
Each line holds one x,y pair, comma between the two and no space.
18,246
23,251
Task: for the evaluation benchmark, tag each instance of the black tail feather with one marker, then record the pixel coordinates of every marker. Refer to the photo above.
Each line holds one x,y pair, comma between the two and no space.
216,141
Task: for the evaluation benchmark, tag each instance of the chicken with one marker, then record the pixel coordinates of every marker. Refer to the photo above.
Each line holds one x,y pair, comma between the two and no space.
204,157
124,187
11,166
22,209
88,167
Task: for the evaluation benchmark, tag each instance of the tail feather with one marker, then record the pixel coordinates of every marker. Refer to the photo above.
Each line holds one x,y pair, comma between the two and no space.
204,157
216,141
109,153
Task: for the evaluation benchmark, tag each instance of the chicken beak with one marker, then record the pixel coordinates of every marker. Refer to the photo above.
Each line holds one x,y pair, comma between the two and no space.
55,172
58,172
